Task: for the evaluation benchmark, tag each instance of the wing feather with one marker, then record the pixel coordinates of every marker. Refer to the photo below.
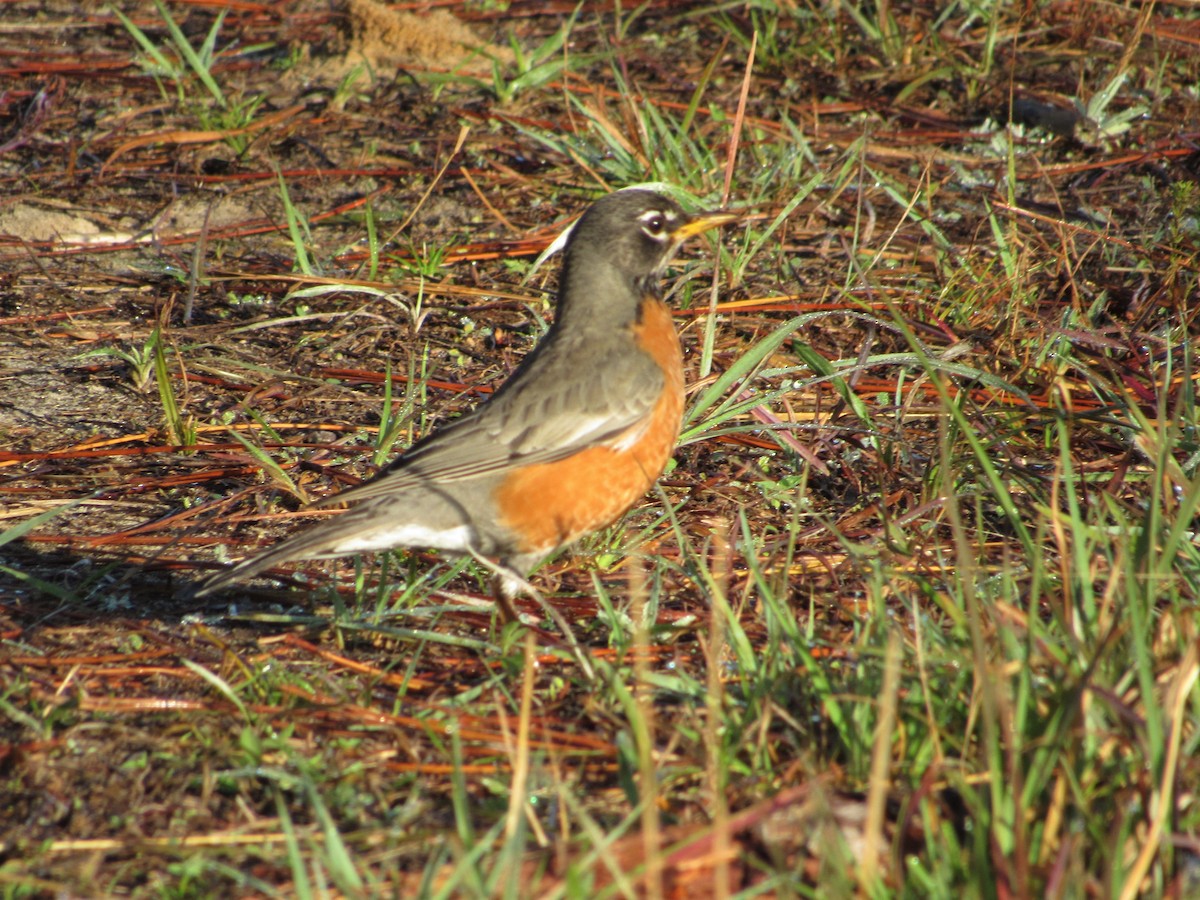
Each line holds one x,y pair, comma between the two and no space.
544,413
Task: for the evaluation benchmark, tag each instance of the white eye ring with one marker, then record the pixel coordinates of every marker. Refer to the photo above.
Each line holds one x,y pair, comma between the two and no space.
654,223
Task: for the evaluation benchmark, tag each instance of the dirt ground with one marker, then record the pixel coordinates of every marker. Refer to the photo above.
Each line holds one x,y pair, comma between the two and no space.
149,261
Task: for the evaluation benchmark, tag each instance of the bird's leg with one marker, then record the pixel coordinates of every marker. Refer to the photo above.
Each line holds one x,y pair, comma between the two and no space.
508,612
509,582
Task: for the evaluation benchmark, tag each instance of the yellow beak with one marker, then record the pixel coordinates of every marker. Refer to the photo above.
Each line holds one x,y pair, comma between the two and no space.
702,222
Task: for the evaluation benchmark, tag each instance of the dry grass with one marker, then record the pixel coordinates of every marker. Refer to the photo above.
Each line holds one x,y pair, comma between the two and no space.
915,612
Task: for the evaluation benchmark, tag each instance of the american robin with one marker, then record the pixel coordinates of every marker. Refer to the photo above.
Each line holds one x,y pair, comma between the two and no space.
579,432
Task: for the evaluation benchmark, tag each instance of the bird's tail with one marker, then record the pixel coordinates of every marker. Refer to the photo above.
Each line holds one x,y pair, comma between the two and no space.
315,542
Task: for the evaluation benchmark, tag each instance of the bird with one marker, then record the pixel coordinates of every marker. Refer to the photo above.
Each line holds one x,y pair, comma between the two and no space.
578,433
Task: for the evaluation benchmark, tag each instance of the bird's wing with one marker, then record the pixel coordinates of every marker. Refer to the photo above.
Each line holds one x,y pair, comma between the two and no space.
542,414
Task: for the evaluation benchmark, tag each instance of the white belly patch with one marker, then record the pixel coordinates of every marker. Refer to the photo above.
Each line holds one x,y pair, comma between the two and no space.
457,539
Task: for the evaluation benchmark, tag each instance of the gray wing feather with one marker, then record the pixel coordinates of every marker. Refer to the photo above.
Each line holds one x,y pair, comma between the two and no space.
531,421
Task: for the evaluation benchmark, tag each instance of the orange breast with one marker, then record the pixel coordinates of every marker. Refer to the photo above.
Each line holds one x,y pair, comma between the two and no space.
552,504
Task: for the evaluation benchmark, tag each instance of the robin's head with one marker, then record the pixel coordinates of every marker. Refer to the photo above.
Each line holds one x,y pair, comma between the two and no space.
623,241
636,230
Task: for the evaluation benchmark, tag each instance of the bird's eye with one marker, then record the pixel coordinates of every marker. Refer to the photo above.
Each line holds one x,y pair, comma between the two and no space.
656,224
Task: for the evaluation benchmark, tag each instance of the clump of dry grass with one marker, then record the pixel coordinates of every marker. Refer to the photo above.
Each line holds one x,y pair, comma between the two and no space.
914,612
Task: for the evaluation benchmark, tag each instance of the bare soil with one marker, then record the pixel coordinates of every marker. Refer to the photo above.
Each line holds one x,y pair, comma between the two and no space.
125,213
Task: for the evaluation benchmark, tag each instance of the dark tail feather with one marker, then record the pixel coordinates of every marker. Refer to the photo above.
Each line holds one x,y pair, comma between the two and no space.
247,568
312,543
